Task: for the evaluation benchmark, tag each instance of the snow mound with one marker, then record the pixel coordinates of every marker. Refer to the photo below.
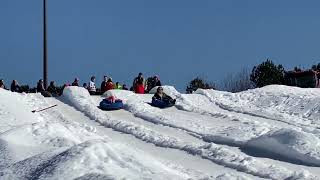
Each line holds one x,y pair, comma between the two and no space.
122,94
169,90
76,95
288,145
95,158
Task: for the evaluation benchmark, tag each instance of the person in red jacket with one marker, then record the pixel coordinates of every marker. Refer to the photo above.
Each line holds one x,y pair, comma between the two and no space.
139,84
104,84
109,84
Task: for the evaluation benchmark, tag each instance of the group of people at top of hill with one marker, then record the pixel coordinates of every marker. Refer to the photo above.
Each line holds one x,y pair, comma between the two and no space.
106,85
140,85
15,87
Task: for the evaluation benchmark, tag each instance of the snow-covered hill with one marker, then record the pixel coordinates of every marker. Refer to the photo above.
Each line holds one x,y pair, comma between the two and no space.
267,133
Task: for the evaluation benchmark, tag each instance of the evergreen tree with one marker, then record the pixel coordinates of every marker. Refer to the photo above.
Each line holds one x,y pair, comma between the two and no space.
267,73
199,83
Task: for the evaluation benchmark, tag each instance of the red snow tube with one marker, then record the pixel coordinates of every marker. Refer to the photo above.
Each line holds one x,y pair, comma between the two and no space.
139,89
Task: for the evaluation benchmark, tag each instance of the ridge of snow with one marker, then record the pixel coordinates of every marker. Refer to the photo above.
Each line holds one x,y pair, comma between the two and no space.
290,144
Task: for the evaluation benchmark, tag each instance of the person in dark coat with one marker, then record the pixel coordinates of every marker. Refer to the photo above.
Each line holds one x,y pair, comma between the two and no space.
153,82
75,82
103,86
15,86
40,86
157,81
53,89
161,96
124,87
85,85
2,84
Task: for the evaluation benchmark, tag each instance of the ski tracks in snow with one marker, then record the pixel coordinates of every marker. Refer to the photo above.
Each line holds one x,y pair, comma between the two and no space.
216,153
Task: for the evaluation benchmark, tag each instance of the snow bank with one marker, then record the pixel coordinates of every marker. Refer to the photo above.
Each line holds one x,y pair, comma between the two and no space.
80,99
46,145
289,145
169,90
294,106
92,157
118,93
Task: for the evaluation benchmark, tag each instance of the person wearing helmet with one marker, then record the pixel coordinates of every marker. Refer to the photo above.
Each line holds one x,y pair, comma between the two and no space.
75,82
139,84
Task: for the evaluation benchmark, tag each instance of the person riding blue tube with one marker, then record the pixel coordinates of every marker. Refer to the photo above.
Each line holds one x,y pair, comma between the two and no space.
162,100
111,103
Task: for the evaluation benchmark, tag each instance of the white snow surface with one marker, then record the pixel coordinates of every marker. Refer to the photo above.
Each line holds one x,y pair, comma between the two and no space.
267,133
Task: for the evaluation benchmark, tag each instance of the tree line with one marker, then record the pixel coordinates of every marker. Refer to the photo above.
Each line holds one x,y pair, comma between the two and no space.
263,74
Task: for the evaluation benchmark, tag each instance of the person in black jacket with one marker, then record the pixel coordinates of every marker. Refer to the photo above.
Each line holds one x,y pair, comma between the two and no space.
2,84
161,96
153,82
15,86
75,82
53,89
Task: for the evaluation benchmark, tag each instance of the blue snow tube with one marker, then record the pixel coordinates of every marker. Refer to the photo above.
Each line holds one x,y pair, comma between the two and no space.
109,106
161,103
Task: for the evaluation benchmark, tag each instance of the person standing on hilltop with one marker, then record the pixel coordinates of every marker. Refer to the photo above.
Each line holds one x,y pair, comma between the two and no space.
103,86
109,84
52,89
2,84
153,82
117,86
124,87
40,86
15,86
75,82
139,84
92,86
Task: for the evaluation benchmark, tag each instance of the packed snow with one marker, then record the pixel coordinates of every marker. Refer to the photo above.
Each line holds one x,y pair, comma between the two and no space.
267,133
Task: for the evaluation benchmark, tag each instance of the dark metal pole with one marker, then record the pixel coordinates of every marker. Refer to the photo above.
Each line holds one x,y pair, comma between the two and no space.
45,57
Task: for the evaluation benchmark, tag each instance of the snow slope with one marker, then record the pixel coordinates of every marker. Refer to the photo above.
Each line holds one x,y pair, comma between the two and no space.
49,146
136,104
267,133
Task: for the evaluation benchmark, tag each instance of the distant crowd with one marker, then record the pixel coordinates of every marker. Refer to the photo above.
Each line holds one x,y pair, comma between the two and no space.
140,85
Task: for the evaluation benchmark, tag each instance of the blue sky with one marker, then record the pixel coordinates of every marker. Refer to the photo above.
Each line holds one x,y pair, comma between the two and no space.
176,39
